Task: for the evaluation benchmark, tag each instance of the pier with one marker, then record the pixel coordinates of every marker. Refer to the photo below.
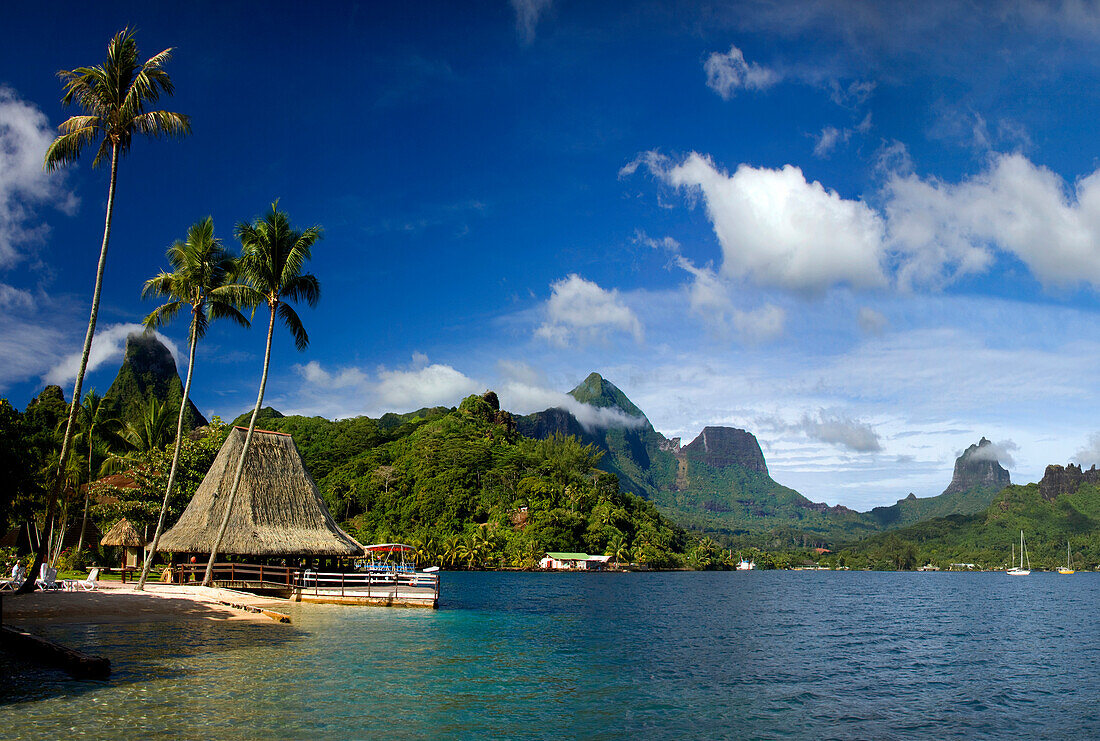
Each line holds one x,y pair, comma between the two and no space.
387,585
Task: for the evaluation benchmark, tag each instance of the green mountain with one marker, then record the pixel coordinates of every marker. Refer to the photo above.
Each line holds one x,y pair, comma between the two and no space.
977,479
465,479
719,483
148,371
1063,507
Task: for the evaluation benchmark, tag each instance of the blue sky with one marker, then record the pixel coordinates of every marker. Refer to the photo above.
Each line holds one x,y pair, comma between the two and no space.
867,232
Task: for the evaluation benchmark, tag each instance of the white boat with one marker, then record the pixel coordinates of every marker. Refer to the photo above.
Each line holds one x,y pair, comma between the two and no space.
746,565
1068,568
1020,570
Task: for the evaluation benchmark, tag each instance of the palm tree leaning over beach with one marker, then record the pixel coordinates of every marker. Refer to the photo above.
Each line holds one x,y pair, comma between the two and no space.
203,277
272,257
113,98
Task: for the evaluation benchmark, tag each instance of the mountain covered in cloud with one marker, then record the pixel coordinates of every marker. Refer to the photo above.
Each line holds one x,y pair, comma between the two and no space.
148,371
978,477
720,483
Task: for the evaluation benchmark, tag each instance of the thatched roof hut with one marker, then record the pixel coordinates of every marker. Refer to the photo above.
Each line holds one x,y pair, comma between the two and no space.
278,510
123,534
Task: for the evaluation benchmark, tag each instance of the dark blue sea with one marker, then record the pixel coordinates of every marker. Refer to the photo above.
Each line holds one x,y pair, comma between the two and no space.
746,655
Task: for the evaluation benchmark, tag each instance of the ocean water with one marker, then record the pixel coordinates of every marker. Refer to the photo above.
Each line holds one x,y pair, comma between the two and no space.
800,655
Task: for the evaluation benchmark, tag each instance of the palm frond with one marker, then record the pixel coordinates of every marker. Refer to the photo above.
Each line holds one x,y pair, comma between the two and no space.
163,314
101,153
160,284
162,123
76,123
224,310
149,82
294,324
303,288
66,148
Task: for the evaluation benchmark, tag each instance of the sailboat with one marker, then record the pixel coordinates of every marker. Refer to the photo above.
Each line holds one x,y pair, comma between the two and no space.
1020,570
1068,568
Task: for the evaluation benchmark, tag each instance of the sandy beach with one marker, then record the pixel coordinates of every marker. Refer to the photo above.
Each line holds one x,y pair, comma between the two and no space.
120,604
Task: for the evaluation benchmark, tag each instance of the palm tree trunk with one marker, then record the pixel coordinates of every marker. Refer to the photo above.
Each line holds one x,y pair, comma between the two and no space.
175,463
55,489
207,579
87,492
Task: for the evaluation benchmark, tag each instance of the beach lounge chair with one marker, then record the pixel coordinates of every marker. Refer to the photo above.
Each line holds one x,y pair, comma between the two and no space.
18,576
47,578
91,583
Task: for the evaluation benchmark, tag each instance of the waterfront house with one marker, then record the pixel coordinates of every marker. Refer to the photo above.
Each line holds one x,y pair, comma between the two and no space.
558,561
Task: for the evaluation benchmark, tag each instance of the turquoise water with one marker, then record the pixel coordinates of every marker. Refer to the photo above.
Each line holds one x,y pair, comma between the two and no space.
743,655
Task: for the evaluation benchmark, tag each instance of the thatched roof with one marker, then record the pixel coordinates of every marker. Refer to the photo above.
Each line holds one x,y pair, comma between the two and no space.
278,511
124,534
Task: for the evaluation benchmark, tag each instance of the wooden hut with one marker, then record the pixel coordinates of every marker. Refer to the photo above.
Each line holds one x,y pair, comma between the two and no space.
124,536
278,512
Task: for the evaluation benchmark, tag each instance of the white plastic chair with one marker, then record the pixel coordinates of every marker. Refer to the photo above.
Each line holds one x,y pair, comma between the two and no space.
91,583
47,578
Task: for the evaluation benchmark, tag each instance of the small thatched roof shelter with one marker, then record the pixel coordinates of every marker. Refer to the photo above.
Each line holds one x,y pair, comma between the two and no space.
278,510
123,534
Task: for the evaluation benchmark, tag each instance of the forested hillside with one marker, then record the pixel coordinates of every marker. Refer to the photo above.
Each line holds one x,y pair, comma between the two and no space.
987,539
464,485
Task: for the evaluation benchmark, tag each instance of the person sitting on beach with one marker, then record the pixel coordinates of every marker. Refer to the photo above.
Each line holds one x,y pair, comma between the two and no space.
18,573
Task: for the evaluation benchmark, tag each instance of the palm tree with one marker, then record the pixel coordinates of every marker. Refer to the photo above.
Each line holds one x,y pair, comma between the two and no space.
272,257
93,417
150,432
618,549
450,550
113,98
204,278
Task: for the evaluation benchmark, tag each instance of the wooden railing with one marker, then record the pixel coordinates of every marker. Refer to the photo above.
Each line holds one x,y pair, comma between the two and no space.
376,581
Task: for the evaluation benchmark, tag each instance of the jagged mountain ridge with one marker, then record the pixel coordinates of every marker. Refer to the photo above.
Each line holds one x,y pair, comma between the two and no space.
720,482
977,478
148,370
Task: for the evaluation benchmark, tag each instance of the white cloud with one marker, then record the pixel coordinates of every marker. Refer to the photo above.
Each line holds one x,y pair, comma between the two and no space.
108,344
828,139
761,324
432,385
1000,452
1089,455
834,428
871,321
524,398
579,309
313,373
528,13
779,230
337,393
27,349
944,230
727,73
25,134
15,298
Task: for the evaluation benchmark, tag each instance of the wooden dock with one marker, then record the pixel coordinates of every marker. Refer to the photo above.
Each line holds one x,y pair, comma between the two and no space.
378,588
